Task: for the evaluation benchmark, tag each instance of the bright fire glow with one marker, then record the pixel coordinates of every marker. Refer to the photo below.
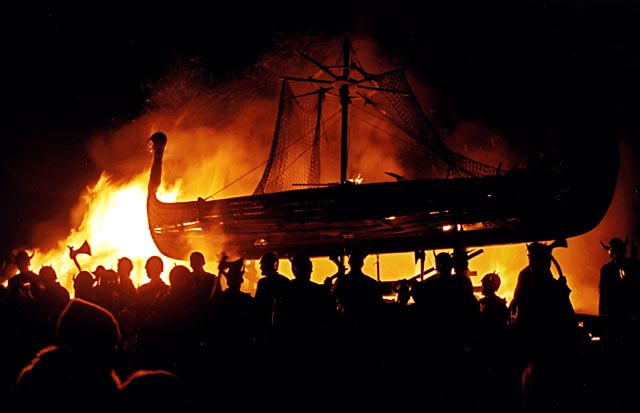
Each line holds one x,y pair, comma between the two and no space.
357,180
208,150
114,223
115,226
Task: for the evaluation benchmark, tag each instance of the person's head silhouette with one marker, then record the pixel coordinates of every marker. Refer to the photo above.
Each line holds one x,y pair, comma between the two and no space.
196,260
154,267
269,263
490,283
444,264
539,255
356,259
301,267
84,327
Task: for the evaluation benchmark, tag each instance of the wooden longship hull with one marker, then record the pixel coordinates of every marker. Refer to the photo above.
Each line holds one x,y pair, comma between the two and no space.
386,217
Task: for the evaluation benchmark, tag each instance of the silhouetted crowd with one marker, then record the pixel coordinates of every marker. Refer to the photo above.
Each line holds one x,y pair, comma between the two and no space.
339,345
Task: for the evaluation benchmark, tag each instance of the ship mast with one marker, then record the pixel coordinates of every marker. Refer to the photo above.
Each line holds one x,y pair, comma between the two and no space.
344,102
345,99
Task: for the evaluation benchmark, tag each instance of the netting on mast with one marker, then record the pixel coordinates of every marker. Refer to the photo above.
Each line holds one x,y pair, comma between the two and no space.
295,150
295,153
397,102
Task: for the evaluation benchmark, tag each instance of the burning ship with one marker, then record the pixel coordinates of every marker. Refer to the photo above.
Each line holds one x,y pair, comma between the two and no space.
469,204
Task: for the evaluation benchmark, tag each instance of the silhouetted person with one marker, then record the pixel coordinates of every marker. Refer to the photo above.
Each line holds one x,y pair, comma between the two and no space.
619,304
23,321
619,311
450,312
543,310
147,320
496,381
234,311
155,289
206,284
461,270
267,289
446,317
156,391
547,332
171,335
359,296
108,293
83,286
304,308
128,290
76,374
468,305
233,334
50,298
360,316
97,274
55,295
304,318
494,311
18,286
128,294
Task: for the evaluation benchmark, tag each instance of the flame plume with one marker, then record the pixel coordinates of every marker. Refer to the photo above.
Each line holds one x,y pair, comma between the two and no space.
219,132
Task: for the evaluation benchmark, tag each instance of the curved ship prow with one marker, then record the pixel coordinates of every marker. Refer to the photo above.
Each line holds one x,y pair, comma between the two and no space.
177,228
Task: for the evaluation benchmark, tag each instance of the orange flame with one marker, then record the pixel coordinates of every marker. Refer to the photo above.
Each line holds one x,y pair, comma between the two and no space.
114,224
210,147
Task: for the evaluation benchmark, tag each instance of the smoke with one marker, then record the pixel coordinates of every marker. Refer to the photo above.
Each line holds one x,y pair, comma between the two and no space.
222,129
220,132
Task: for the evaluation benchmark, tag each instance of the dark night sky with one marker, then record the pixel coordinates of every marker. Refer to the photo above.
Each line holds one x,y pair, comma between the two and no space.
522,67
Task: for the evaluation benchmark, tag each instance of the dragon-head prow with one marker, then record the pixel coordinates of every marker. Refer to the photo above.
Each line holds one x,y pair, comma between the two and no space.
159,141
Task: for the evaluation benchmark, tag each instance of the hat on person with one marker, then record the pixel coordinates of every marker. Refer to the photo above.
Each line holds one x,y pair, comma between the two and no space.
538,249
616,244
22,257
491,281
